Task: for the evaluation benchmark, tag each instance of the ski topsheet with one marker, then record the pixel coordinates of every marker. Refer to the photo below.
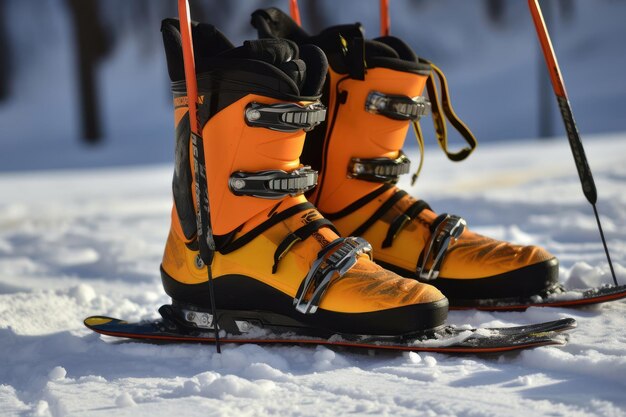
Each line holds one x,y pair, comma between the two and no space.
445,340
559,298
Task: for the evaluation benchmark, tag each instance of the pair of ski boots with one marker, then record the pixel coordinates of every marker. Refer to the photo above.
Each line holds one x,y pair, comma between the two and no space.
279,261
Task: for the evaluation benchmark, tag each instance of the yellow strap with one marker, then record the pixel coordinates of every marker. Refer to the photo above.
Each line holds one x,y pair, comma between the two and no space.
420,142
443,107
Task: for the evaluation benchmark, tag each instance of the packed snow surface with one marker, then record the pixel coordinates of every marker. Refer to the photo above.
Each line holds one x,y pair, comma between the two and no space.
82,242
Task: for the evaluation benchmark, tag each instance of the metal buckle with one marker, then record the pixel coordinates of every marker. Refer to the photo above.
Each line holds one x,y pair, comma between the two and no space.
450,228
397,107
383,170
335,259
285,117
273,184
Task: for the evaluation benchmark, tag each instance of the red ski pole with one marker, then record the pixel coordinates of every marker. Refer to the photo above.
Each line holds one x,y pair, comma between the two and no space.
206,244
294,10
584,172
385,21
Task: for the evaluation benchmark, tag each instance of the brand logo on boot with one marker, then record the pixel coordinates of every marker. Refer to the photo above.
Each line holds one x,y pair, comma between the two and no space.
320,239
310,216
183,101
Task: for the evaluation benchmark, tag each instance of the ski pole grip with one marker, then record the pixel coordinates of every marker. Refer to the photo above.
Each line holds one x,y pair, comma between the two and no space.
584,172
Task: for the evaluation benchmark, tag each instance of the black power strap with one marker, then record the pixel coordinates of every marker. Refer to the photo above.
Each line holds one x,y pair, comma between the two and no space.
400,221
298,236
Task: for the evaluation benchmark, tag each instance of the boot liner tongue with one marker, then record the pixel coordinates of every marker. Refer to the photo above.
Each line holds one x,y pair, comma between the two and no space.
280,53
340,44
376,49
272,51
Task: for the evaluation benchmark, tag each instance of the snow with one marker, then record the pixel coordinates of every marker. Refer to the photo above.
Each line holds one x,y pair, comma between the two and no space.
80,242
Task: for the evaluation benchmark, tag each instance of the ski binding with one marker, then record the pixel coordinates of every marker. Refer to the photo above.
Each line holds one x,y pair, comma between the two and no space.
239,327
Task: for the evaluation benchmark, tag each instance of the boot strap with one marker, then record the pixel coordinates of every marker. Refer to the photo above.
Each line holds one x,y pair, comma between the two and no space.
273,184
285,117
334,260
384,170
447,228
397,107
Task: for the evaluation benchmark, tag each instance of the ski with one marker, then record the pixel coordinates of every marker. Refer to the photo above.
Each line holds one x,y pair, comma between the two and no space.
448,339
558,297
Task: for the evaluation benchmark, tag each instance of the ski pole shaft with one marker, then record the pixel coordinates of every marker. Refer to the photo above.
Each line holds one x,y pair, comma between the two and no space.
586,179
584,172
189,63
206,244
385,21
294,11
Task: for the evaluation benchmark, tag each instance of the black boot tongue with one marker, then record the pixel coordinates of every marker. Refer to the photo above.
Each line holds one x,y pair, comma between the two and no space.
344,48
280,53
400,48
375,49
272,51
274,23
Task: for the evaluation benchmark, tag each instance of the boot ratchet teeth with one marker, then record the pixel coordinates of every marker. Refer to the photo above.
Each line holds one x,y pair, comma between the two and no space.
285,117
435,251
397,107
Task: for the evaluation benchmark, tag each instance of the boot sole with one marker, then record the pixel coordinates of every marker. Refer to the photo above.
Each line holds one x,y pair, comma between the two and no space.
520,283
244,294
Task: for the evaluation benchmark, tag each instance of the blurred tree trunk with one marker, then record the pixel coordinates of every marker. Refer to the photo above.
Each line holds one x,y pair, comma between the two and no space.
5,62
495,10
91,45
567,8
315,17
198,12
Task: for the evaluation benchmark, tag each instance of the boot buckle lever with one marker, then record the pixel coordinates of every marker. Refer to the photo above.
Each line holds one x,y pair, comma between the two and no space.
334,260
447,231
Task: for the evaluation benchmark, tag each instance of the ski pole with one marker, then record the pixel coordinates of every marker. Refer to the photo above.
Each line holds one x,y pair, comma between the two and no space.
294,11
206,243
385,21
584,172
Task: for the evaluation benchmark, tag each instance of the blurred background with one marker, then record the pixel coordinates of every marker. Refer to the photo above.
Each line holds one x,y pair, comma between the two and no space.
83,83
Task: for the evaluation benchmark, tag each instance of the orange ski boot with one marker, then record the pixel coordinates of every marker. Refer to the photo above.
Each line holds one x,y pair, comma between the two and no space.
278,261
373,93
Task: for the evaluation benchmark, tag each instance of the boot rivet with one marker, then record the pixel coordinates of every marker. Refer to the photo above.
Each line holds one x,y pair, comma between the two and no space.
199,262
239,184
253,115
